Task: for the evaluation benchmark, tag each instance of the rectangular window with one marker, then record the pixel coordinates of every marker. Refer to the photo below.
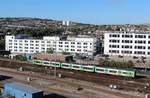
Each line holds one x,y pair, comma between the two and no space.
140,36
72,42
139,52
114,35
72,49
114,41
114,46
140,41
127,36
66,43
60,42
78,43
126,41
139,47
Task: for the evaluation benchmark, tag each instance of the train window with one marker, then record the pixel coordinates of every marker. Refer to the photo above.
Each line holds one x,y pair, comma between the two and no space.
46,62
65,65
100,69
56,64
76,66
125,72
112,71
87,68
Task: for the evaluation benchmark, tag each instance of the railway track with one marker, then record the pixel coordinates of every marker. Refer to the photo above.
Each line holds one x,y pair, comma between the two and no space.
123,83
72,83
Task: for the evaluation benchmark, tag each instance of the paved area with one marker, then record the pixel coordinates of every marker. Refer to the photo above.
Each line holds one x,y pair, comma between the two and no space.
90,90
138,61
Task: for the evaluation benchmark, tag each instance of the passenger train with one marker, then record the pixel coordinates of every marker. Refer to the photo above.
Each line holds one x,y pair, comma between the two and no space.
87,68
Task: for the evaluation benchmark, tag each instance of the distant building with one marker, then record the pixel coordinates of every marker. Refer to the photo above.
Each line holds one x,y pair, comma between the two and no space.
66,23
26,45
18,90
133,43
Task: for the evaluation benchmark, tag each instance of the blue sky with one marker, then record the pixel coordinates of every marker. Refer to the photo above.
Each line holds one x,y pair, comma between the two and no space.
86,11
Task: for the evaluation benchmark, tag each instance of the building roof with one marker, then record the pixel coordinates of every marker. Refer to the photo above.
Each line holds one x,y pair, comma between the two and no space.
23,87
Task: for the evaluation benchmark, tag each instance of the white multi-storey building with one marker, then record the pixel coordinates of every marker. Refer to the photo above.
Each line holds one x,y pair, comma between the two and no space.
127,43
21,45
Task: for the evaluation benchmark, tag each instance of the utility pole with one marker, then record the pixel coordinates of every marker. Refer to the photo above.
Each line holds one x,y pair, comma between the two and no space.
55,58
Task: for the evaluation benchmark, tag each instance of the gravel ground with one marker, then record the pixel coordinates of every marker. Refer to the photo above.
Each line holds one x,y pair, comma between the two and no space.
54,86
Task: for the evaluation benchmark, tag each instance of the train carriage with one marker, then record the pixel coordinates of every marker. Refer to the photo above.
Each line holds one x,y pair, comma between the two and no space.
66,65
46,63
37,62
76,67
88,68
112,71
128,73
55,64
100,70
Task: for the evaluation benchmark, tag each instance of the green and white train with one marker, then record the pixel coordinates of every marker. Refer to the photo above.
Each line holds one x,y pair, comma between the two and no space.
87,68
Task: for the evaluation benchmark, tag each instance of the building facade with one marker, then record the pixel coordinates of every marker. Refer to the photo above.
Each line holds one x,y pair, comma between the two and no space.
19,90
81,45
127,43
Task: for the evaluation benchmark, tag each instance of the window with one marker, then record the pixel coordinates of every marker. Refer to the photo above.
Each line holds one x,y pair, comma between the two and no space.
72,42
78,46
126,46
10,40
31,41
26,47
66,42
140,41
114,41
114,46
26,41
66,46
84,46
139,47
78,49
78,43
114,51
10,43
72,49
60,45
72,46
140,36
139,52
48,42
126,52
127,36
126,41
37,41
60,42
85,43
114,35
